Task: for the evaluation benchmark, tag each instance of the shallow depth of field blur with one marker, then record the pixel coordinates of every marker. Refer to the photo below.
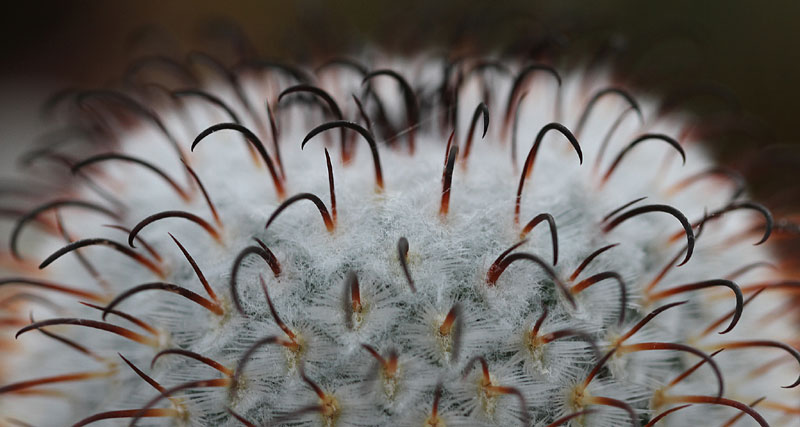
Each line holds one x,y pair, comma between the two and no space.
749,48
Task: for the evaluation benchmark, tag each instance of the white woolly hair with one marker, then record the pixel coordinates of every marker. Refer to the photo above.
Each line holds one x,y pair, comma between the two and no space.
385,357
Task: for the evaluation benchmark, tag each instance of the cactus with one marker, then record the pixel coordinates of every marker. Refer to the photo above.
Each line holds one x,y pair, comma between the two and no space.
399,246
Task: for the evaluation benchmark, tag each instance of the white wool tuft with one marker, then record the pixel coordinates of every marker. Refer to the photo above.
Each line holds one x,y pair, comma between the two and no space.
448,259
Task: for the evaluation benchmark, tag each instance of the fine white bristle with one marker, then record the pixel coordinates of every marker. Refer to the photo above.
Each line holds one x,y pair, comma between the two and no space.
342,289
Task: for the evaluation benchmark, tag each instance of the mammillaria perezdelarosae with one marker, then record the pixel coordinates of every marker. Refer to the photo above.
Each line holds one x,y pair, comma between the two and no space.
398,241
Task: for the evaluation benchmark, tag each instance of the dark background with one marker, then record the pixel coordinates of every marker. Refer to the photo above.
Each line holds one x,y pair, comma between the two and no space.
750,47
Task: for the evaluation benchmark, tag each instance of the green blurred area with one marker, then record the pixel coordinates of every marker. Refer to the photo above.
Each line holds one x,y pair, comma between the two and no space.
747,46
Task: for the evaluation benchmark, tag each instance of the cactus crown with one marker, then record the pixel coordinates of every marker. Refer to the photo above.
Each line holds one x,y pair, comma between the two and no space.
400,246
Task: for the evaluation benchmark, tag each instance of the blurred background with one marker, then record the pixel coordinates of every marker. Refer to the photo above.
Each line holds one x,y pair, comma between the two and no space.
745,50
749,47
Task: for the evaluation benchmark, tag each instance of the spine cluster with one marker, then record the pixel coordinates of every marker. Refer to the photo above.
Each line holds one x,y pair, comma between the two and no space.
393,243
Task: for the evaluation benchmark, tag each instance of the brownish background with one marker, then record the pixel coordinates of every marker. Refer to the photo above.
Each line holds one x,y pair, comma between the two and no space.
751,47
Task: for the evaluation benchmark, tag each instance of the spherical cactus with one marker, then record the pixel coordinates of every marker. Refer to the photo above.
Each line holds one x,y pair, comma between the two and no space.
388,243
